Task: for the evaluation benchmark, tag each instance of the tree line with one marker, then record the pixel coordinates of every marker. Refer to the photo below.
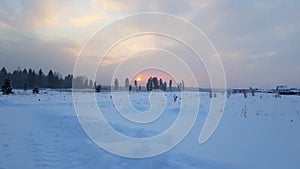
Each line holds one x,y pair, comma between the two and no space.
153,83
27,79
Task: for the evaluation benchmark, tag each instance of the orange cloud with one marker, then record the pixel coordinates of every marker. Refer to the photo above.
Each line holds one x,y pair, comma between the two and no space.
112,5
112,60
47,13
87,20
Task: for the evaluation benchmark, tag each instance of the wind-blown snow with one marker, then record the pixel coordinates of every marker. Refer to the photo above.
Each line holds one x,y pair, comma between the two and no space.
42,131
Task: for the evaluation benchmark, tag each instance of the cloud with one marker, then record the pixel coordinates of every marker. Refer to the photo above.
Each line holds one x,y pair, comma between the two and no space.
113,5
267,54
107,61
32,13
87,20
257,37
56,55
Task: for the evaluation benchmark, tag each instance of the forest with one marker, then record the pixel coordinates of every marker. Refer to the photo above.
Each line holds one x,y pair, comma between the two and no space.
27,79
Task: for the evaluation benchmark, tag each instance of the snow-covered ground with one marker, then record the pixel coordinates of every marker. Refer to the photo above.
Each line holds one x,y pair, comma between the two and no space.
42,131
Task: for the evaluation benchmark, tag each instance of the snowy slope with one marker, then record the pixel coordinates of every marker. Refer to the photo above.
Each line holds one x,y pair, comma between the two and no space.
42,131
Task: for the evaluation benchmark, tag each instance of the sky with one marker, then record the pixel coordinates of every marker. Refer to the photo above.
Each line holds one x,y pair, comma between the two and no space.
257,41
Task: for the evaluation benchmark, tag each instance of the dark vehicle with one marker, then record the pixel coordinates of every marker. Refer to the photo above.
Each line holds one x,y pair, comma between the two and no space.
6,87
35,90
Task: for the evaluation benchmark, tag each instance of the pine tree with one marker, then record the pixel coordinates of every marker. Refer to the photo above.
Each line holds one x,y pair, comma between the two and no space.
51,80
67,83
6,87
130,88
170,85
116,84
126,83
165,86
155,83
149,84
91,84
31,78
41,79
136,85
3,74
86,83
160,84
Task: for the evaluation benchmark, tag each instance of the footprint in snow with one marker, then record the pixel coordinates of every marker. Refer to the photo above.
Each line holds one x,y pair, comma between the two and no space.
4,145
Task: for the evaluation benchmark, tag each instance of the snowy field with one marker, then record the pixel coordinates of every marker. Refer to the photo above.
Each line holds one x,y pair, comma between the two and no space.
42,131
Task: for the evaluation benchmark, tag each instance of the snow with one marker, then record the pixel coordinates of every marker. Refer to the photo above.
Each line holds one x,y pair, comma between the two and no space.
42,131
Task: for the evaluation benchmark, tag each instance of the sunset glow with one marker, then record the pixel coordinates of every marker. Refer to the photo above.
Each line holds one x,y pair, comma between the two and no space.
40,34
143,76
